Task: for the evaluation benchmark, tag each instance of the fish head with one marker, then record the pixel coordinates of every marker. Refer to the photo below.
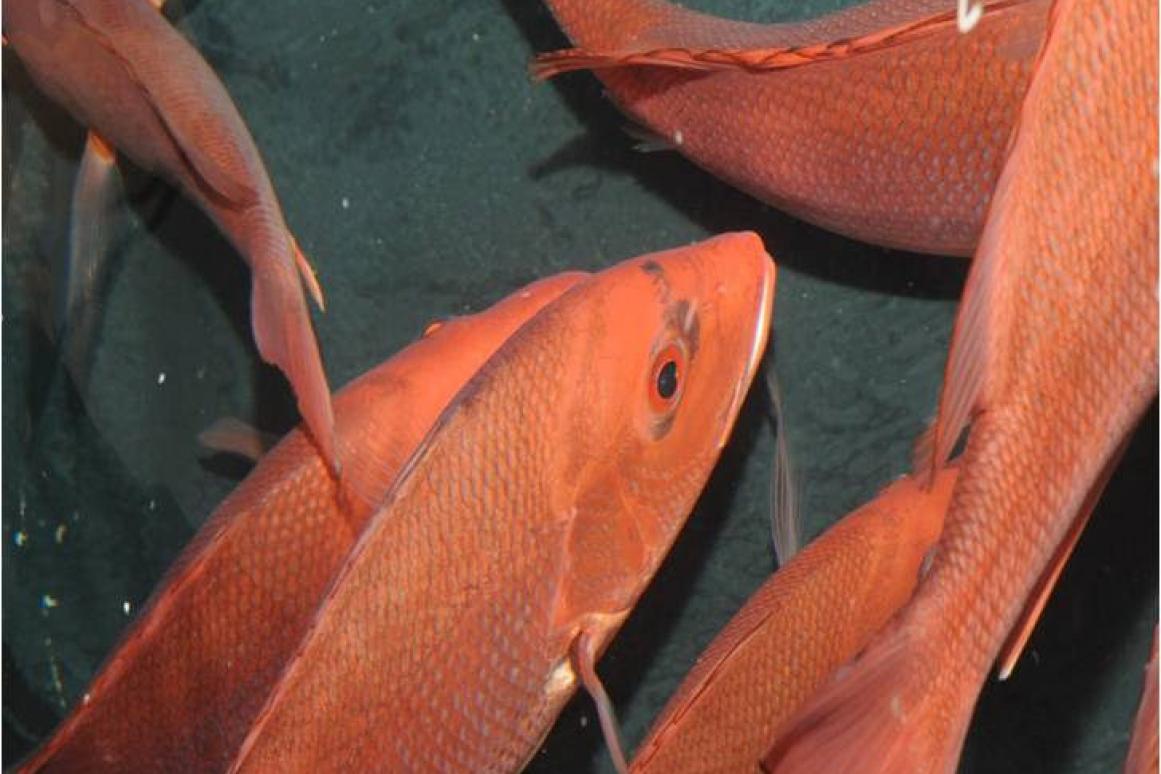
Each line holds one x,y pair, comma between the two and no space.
674,340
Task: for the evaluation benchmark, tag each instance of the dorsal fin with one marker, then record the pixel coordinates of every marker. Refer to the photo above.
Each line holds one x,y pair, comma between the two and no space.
749,59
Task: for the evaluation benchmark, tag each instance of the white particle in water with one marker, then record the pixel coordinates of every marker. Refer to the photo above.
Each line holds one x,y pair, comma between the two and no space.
126,607
59,535
48,601
20,538
161,377
346,203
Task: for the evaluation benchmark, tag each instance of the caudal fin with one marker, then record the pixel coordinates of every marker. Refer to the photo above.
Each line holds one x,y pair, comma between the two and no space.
877,715
285,338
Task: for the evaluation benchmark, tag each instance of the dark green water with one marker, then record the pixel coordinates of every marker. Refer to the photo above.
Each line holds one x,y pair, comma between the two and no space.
426,176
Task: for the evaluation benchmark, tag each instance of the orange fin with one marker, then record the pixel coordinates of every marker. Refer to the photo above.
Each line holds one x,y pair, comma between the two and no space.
284,335
1038,598
233,436
750,59
872,717
584,657
1143,756
309,276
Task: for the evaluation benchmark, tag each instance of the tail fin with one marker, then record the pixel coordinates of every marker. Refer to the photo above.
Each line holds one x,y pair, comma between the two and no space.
285,338
878,715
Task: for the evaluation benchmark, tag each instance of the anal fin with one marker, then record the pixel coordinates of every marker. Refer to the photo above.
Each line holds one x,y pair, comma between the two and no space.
584,655
1022,631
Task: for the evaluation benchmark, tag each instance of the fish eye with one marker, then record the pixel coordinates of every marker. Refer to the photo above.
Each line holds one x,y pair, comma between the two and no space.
667,376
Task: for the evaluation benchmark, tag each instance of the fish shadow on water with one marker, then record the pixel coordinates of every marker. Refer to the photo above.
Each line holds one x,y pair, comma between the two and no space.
575,744
716,206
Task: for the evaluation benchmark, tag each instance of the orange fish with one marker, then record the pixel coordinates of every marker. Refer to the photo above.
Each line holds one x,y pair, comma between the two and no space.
125,73
808,619
183,688
883,124
1054,359
522,532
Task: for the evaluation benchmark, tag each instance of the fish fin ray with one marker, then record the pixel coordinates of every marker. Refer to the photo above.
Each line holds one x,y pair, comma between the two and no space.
747,59
585,657
285,338
92,223
309,276
785,515
1038,598
230,435
867,718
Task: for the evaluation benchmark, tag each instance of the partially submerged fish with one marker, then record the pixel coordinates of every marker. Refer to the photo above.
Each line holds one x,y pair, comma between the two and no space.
182,689
812,616
881,121
522,532
1054,360
126,74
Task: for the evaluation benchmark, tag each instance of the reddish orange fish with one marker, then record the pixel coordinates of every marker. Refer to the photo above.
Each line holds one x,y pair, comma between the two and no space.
1053,359
182,689
522,532
879,121
125,73
812,615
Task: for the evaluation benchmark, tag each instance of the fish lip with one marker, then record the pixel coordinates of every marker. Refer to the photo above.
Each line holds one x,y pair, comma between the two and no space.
757,346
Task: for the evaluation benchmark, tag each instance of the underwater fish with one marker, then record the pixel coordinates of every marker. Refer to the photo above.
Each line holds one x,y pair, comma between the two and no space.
522,532
1054,360
880,121
812,616
183,687
126,74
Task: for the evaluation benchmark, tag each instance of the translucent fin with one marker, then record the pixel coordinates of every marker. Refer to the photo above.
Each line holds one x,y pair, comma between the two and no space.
752,59
284,335
785,515
585,657
648,141
309,276
1143,756
229,435
93,221
94,200
1018,638
872,717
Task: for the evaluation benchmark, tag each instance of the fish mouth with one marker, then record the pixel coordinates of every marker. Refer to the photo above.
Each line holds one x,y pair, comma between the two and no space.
758,340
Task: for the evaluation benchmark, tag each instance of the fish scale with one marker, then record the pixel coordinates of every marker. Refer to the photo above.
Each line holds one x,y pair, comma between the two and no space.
446,640
901,147
182,689
1055,353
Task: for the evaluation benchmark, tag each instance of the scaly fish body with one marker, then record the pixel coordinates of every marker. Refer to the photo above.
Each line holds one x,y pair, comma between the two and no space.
530,520
1055,354
124,72
184,686
813,615
899,145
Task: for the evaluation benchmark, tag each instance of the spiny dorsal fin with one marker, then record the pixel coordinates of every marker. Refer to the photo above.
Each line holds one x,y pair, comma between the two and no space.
756,59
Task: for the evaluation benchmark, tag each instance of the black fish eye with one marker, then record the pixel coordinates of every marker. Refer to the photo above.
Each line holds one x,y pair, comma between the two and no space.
667,380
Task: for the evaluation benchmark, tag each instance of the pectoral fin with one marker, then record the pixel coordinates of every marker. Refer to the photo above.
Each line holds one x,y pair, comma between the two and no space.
584,654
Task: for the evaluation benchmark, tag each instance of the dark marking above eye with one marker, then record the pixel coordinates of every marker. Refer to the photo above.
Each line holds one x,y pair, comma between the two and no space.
652,267
667,380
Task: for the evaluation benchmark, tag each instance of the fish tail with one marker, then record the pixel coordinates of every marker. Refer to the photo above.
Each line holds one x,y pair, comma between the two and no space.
879,714
285,338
